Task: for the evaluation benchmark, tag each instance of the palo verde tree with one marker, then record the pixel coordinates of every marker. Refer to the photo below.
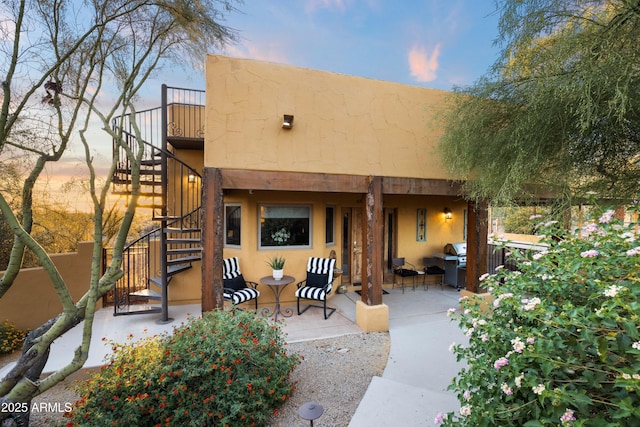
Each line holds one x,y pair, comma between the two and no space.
67,65
560,109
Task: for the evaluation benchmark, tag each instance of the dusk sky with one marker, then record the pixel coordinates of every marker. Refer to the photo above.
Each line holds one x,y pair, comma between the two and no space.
429,43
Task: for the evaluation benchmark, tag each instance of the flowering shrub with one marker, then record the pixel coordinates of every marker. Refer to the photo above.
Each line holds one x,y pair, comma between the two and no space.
226,368
11,338
561,344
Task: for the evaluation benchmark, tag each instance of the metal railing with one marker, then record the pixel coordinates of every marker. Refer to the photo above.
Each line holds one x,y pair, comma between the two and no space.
168,186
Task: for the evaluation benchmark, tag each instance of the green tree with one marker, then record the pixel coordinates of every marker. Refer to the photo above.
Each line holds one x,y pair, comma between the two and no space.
66,67
559,112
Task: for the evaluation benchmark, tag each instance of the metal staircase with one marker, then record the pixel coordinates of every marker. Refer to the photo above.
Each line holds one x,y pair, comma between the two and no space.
169,187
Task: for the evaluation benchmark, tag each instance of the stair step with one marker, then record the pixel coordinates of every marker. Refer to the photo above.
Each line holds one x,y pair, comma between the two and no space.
148,172
183,260
128,193
178,251
138,309
181,230
184,241
146,293
127,180
151,162
148,206
157,281
178,268
166,218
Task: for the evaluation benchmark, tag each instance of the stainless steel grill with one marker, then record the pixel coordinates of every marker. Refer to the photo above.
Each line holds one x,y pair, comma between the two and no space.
455,264
459,250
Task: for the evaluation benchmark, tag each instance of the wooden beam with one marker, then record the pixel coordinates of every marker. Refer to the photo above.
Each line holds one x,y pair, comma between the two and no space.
373,243
421,186
293,181
212,242
477,229
333,183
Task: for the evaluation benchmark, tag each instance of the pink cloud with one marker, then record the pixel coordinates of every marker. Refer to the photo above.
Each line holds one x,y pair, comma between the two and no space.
424,66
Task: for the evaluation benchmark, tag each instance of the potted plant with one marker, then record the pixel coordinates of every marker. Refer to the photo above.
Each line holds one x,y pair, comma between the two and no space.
277,264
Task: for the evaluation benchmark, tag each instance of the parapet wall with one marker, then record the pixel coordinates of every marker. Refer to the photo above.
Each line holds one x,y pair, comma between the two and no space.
32,299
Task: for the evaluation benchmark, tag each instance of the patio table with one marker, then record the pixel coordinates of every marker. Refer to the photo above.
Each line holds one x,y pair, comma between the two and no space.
277,286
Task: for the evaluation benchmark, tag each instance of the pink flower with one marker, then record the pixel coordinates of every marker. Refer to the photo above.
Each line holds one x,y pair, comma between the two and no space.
440,417
567,416
590,253
503,361
589,229
606,217
506,389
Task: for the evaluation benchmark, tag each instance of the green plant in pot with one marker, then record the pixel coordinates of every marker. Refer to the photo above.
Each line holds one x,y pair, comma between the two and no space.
277,264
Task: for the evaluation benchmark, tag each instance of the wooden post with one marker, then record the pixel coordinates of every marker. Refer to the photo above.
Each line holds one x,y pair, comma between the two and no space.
212,244
372,248
477,228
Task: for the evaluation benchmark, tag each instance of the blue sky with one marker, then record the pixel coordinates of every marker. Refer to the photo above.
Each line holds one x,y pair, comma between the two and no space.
430,43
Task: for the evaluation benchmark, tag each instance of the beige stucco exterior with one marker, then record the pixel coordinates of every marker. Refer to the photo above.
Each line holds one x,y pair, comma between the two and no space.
31,301
342,124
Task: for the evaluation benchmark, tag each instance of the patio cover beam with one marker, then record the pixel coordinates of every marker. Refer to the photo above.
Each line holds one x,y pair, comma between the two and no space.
372,291
212,243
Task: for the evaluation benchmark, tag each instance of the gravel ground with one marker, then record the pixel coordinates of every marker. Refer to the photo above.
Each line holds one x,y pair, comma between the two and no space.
335,373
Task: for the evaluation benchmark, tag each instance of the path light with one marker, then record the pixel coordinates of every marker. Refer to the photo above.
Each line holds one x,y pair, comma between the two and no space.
310,411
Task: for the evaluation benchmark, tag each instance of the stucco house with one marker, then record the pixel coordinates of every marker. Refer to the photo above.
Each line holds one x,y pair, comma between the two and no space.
278,160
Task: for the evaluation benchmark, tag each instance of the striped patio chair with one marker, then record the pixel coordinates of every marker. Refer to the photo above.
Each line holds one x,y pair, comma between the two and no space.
236,289
318,284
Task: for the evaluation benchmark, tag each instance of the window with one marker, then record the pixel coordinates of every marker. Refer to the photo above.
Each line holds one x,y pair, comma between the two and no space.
232,224
285,225
330,234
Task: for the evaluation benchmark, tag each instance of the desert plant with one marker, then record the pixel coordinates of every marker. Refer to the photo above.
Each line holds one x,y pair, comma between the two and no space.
561,344
226,368
277,262
11,338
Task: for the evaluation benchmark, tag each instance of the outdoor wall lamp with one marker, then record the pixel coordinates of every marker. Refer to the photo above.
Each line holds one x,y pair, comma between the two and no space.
447,213
191,178
287,123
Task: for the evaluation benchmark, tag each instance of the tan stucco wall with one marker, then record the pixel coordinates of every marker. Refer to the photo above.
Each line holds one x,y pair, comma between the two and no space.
253,260
343,124
32,301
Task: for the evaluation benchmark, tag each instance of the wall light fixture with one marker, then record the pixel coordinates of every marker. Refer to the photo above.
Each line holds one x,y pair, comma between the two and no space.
287,123
447,213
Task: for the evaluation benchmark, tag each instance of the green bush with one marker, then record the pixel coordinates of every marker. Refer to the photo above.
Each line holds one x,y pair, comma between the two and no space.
226,368
11,338
561,344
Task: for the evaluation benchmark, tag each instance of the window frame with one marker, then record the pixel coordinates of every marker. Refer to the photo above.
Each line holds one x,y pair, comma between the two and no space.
226,230
331,242
309,209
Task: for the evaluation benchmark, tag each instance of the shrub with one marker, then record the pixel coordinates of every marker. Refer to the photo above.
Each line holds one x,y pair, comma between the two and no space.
561,344
226,368
11,338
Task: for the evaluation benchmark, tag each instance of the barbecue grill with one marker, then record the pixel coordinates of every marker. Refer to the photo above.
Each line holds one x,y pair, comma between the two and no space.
455,264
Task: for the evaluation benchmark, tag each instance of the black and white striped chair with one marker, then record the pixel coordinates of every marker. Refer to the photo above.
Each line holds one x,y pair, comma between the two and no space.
318,283
236,289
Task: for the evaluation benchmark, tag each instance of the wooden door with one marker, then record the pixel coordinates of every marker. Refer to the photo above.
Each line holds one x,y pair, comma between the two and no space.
356,246
352,246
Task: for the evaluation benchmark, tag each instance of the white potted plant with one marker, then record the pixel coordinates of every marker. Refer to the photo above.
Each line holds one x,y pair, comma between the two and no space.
277,264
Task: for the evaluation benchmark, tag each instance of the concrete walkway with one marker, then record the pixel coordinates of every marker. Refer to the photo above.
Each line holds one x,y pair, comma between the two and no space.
412,389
